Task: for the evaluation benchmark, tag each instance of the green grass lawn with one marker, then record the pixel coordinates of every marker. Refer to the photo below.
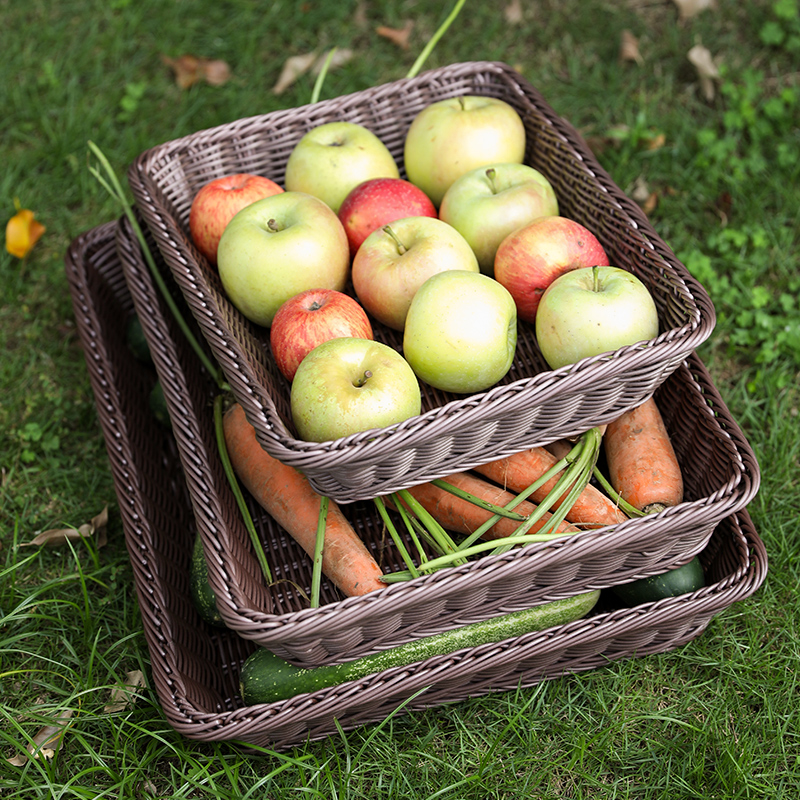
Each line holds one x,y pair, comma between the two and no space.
715,719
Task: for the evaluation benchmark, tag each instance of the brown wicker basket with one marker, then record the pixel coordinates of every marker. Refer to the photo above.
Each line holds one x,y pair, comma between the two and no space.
195,667
720,472
531,405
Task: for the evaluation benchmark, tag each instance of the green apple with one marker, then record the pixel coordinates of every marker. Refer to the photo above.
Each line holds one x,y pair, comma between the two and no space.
278,247
349,385
332,159
453,136
461,332
395,260
593,310
486,204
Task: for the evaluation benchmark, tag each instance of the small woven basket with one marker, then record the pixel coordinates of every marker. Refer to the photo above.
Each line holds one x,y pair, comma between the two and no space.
195,667
719,468
531,405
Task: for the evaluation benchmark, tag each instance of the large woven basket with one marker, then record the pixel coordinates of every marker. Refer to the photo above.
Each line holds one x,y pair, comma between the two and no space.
195,667
720,472
531,405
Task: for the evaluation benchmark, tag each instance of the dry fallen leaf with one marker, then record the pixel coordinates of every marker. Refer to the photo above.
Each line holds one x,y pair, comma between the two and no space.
513,12
706,69
47,740
399,36
293,68
126,694
641,194
360,15
190,69
629,48
58,536
340,57
22,232
691,8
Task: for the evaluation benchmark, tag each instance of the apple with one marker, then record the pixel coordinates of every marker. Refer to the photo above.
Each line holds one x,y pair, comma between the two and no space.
486,204
461,332
333,158
348,385
310,318
450,137
377,202
218,201
593,310
395,260
278,247
529,259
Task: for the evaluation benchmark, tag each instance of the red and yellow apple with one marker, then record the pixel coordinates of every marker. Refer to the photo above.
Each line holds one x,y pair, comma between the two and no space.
378,202
311,318
218,201
529,259
395,260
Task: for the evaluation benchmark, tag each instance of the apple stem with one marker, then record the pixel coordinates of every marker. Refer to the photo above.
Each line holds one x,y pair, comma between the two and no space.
490,176
596,279
462,103
364,378
401,248
273,225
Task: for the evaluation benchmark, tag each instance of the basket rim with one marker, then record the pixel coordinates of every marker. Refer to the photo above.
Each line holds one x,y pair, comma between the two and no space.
259,405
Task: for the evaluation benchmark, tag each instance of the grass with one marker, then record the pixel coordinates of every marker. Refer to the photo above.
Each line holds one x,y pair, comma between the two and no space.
715,719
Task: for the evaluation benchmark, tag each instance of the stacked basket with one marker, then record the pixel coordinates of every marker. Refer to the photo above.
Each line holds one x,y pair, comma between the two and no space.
170,484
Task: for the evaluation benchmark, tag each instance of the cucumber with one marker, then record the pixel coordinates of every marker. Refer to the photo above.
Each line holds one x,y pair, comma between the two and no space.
266,678
674,582
203,595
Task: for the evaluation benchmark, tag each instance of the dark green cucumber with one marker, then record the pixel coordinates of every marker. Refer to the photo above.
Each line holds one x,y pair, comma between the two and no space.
674,582
266,678
203,595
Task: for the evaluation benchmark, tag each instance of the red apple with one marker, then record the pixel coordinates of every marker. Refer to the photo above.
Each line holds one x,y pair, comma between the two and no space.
218,201
377,202
310,318
529,259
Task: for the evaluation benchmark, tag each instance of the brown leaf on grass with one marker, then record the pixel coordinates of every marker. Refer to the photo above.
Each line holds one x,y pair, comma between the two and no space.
629,48
513,12
339,58
643,196
399,36
189,69
360,15
691,8
58,536
47,740
707,70
293,68
126,694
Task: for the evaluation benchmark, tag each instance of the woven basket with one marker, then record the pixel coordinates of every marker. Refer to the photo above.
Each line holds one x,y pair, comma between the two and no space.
720,473
531,405
195,667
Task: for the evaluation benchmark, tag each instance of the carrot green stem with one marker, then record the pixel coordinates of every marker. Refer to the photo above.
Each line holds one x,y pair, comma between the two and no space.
316,571
434,40
440,535
261,556
411,527
111,184
630,510
387,521
500,511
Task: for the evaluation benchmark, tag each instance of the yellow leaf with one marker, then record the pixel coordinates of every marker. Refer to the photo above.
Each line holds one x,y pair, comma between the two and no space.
22,233
293,68
629,48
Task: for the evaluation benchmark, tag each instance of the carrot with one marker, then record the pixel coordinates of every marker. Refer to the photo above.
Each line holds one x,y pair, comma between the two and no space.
290,500
518,471
462,516
642,465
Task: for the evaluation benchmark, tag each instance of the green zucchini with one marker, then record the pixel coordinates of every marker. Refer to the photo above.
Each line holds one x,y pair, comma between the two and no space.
674,582
266,678
203,596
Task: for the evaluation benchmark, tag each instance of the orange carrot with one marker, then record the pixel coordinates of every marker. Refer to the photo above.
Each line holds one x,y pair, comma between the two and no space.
642,465
462,516
290,500
517,472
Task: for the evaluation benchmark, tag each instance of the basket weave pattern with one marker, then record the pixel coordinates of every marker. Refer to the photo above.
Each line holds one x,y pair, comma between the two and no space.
532,405
720,472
